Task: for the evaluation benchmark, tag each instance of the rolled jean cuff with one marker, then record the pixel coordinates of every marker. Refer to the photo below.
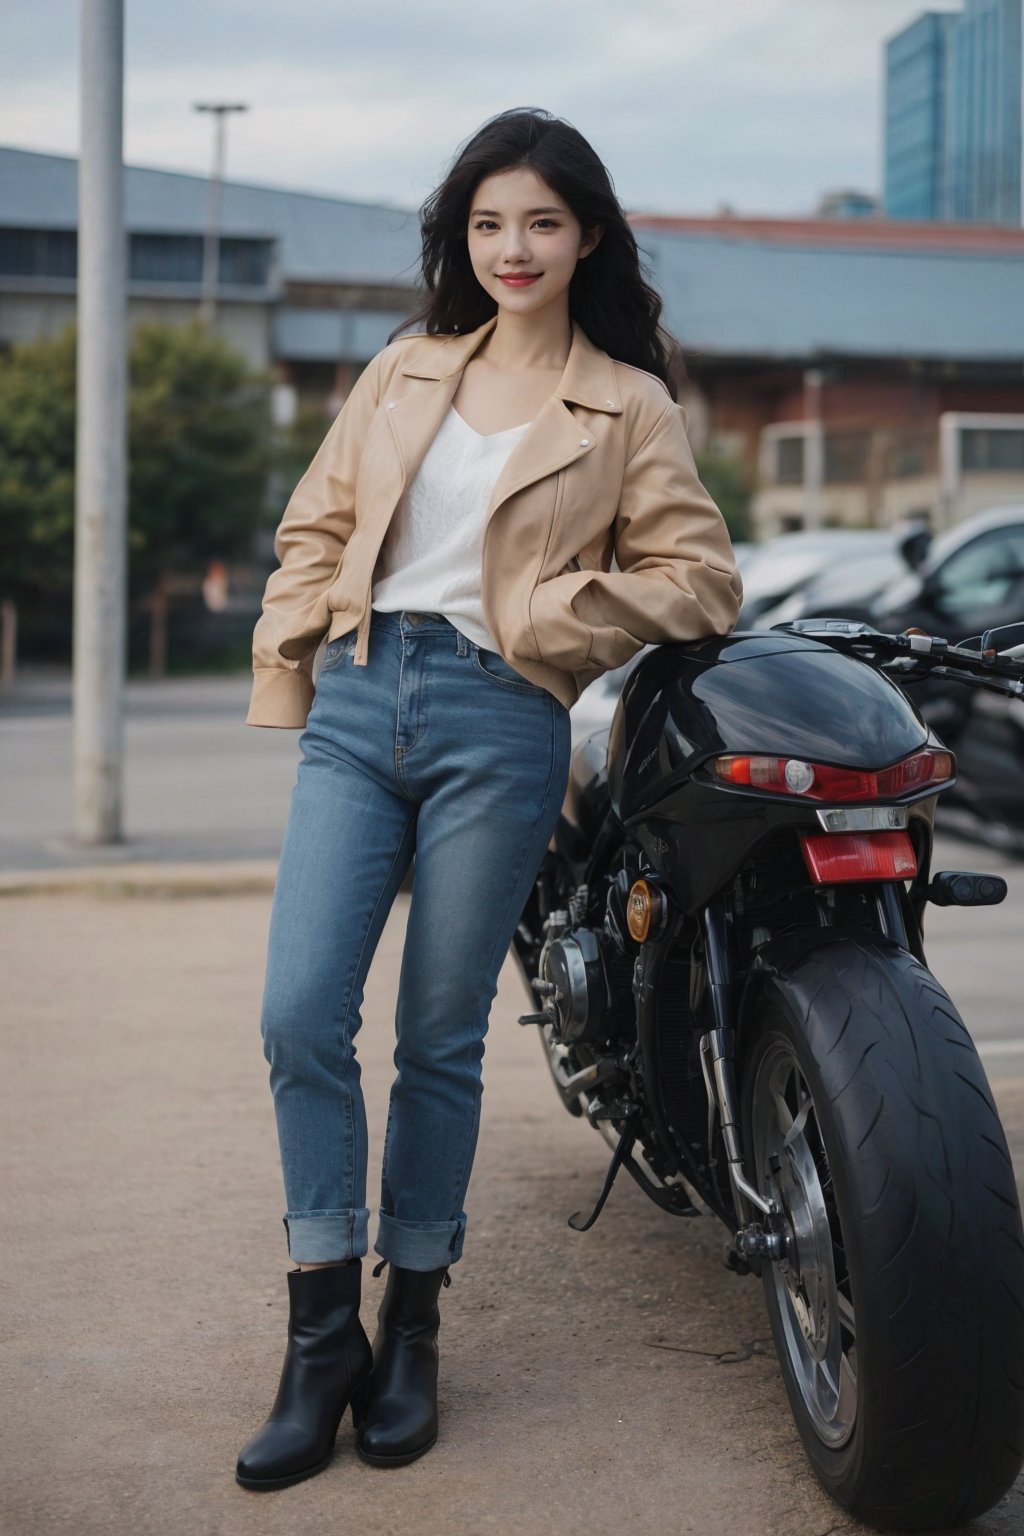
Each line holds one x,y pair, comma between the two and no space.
318,1237
419,1244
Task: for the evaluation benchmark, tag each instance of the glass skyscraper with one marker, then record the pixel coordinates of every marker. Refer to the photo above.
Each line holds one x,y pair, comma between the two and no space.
953,115
915,117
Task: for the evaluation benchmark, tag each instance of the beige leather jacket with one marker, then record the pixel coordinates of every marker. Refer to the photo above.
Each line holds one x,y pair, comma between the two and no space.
604,469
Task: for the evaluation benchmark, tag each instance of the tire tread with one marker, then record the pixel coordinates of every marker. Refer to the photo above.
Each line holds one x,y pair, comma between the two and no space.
892,1066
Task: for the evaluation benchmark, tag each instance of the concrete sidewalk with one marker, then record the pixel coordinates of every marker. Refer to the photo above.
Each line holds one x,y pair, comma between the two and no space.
200,786
615,1381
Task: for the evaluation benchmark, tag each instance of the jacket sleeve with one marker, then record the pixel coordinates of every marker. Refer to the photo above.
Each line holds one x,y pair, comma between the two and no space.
309,543
677,576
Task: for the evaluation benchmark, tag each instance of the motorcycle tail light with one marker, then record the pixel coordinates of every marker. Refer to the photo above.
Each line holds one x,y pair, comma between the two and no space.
832,857
820,781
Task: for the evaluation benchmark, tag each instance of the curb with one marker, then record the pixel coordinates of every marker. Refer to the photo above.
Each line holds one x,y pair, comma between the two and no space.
241,877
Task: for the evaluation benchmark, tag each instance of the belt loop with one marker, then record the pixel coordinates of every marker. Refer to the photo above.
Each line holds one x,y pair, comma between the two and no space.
462,646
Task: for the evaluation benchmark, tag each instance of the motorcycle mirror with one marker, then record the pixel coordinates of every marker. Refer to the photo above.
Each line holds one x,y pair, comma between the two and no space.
1007,639
914,544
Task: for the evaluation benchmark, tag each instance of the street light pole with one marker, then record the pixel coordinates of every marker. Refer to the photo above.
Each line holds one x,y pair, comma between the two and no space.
211,242
98,663
814,447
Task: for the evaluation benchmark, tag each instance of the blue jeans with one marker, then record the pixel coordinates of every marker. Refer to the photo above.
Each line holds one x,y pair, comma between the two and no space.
435,748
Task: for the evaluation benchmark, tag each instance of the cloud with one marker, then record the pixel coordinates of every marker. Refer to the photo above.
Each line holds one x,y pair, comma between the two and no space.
761,103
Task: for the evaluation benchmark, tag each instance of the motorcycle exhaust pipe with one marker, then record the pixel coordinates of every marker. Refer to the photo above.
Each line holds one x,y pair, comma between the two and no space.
716,1060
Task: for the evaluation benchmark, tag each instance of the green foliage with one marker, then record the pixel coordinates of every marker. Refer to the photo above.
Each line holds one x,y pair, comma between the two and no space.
199,439
200,449
37,467
724,478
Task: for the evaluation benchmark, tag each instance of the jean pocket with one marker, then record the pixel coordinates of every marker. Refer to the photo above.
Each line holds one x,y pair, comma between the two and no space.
343,646
497,670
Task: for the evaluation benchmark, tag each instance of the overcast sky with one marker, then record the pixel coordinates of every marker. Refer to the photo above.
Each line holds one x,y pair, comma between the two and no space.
759,104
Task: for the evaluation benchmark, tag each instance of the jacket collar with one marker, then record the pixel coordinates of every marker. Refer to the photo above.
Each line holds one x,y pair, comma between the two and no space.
588,377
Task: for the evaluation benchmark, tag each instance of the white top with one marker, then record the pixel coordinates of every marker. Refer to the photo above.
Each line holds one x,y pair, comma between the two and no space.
431,557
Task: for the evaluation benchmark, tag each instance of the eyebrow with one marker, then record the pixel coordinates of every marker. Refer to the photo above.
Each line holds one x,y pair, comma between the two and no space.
530,212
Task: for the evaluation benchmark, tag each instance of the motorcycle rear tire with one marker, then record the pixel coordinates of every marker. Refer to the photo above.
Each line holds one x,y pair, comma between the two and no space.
922,1199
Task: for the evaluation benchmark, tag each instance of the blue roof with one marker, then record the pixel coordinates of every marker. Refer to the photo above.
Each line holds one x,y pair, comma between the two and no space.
325,238
730,295
772,288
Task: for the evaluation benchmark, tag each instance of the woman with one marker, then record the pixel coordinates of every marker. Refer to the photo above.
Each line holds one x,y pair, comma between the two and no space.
453,539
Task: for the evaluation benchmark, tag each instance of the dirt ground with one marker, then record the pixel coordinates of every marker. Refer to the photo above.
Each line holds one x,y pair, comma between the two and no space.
615,1381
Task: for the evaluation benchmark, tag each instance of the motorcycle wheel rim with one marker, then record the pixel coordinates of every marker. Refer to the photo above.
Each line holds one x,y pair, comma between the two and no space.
810,1284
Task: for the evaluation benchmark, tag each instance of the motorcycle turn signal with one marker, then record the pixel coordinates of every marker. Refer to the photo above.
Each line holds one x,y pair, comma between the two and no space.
646,911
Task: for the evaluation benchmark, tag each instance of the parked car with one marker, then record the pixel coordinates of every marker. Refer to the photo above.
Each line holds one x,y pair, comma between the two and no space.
848,587
972,580
783,567
743,549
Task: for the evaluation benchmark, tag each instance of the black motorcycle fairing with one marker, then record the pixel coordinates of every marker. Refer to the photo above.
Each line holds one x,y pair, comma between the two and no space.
782,695
586,797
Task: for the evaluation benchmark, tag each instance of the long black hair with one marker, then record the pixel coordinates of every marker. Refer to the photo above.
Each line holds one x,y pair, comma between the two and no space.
608,295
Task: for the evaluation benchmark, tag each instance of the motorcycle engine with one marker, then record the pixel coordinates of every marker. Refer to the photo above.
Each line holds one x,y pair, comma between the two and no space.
577,994
586,972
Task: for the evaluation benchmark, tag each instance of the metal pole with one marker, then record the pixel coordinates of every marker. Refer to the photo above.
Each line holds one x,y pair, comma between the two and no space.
100,468
211,240
814,447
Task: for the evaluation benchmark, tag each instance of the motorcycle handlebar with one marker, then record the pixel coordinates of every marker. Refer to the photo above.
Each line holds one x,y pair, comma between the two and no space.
974,660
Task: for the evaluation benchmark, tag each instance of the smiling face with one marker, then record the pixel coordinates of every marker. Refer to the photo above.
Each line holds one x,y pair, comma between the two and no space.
520,230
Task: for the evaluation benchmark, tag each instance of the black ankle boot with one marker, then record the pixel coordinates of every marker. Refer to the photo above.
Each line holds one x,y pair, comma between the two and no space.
327,1359
396,1412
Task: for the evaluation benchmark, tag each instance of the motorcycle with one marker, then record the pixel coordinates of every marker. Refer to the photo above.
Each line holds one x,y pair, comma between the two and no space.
724,953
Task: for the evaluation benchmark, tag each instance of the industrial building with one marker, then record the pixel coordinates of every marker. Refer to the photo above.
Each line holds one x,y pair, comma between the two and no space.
858,369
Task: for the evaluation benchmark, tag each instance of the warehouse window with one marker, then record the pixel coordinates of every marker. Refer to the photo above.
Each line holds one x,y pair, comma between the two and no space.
245,263
152,258
166,258
38,252
179,259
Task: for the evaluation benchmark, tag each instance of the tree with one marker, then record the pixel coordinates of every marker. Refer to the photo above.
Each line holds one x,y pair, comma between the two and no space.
200,453
200,450
37,469
723,476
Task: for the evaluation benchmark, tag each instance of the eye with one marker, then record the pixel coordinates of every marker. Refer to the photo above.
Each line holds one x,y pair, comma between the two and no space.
481,222
547,221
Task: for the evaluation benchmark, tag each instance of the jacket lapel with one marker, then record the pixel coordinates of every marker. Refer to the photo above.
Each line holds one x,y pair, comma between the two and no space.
554,439
415,419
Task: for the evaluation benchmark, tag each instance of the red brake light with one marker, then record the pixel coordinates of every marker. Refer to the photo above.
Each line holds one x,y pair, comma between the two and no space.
820,781
832,857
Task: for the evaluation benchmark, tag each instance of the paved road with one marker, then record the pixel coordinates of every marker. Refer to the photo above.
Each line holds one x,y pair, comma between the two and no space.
618,1380
201,785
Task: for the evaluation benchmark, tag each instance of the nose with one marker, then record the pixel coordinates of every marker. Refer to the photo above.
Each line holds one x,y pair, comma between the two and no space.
517,248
